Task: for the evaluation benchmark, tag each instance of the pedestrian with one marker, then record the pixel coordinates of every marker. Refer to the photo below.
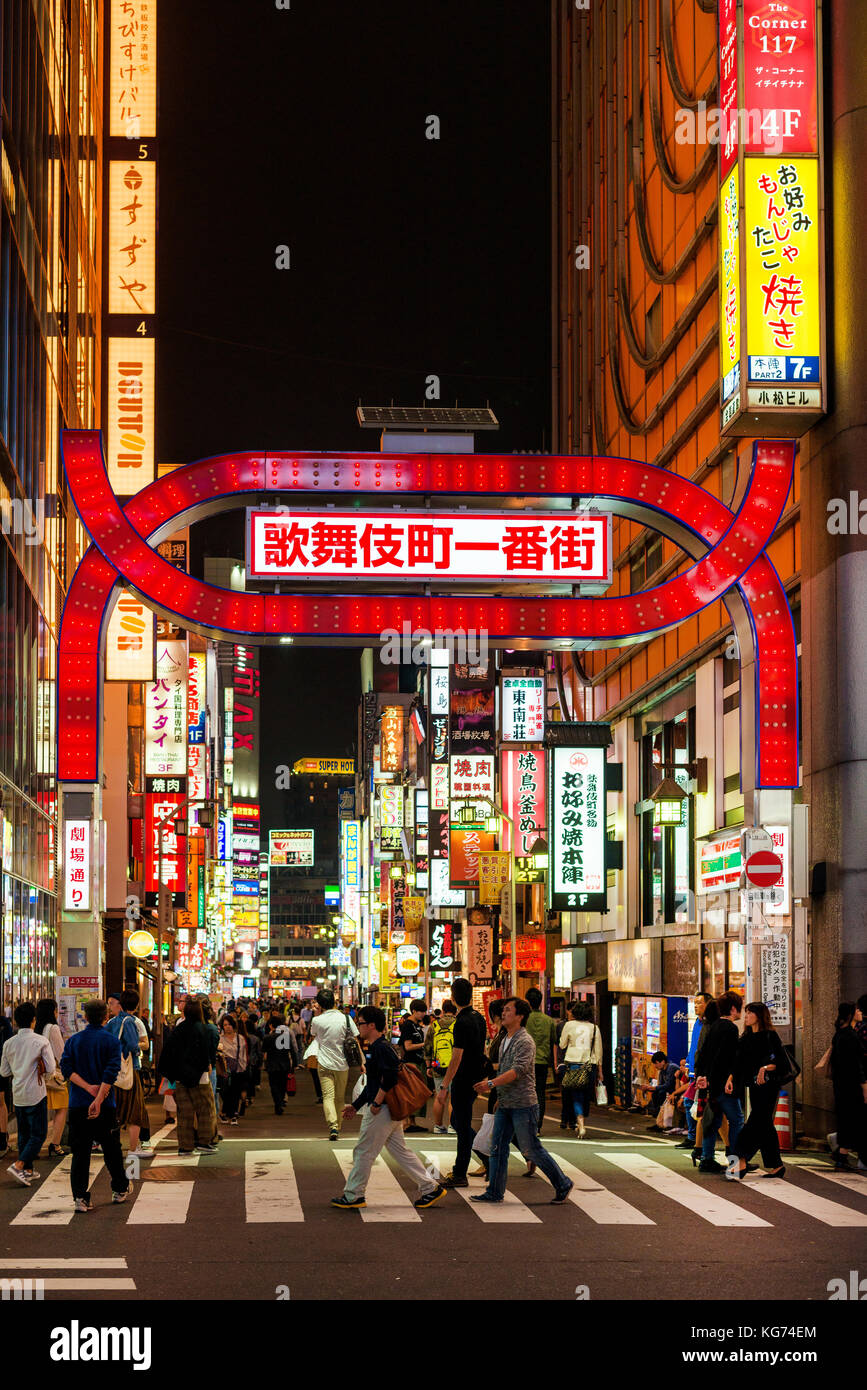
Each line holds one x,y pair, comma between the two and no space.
27,1058
581,1049
412,1050
254,1056
214,1042
129,1099
58,1096
144,1044
763,1068
438,1053
91,1062
517,1112
331,1030
467,1066
543,1030
188,1065
378,1129
233,1050
280,1052
666,1081
714,1064
849,1079
700,1003
5,1087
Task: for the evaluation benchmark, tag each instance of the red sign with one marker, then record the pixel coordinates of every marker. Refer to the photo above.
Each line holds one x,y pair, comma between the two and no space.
728,83
780,76
531,952
731,552
764,869
465,844
523,783
161,799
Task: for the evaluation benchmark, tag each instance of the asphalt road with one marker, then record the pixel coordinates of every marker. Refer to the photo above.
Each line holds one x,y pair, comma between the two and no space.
642,1224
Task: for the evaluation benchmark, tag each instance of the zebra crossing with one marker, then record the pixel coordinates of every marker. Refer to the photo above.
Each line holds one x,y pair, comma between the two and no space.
628,1187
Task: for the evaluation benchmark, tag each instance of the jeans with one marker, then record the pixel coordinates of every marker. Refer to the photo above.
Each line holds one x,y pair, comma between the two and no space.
541,1084
379,1132
333,1094
463,1099
32,1129
523,1124
83,1133
582,1099
691,1124
731,1107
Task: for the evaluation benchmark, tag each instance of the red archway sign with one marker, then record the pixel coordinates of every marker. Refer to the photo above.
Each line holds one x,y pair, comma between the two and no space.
124,537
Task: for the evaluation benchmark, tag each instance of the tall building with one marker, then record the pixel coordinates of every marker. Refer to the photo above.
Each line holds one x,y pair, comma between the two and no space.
639,191
51,250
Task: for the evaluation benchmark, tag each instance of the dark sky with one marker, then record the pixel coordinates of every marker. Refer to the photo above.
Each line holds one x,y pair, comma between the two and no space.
306,127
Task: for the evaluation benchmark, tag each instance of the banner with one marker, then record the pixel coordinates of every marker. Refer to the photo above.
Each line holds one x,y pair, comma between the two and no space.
494,868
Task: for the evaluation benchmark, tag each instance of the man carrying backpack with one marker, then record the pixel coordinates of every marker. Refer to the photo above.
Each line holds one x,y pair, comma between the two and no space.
438,1053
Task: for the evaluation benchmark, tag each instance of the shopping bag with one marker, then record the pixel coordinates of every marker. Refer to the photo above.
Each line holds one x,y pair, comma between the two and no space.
666,1115
482,1141
291,1084
358,1087
601,1093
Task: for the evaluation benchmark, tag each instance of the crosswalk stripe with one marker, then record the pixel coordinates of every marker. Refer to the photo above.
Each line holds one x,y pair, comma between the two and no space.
703,1201
161,1204
806,1202
270,1187
602,1206
65,1262
172,1161
117,1285
386,1199
853,1182
51,1203
511,1210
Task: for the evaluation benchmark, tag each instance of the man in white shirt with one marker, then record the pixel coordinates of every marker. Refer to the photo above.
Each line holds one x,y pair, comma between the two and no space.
22,1055
331,1028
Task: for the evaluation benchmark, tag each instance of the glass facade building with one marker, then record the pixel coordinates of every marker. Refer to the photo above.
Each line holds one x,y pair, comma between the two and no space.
50,365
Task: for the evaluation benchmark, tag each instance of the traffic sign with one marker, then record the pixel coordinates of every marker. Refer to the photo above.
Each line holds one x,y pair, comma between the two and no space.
763,869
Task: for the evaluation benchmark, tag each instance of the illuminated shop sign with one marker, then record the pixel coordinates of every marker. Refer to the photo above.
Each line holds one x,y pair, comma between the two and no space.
130,413
166,713
291,847
77,864
132,236
577,838
133,69
129,643
522,709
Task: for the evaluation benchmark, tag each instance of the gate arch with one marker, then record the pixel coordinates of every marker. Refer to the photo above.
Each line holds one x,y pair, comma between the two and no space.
728,550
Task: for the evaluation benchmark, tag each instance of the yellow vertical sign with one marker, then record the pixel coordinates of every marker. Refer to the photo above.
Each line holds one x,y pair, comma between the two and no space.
730,290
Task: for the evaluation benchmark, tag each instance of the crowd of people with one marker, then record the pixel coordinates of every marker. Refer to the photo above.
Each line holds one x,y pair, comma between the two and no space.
88,1086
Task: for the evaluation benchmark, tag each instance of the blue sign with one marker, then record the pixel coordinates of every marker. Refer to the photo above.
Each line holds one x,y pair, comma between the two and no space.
346,804
678,1029
221,837
244,888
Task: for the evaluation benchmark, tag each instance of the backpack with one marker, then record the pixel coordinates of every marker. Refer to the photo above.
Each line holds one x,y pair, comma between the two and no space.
443,1042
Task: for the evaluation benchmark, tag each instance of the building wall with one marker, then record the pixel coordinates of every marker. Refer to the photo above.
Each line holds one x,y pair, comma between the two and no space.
50,350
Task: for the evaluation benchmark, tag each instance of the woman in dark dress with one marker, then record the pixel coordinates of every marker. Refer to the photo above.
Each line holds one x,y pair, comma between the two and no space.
849,1078
762,1065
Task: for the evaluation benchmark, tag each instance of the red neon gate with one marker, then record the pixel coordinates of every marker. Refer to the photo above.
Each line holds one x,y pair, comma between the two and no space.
733,559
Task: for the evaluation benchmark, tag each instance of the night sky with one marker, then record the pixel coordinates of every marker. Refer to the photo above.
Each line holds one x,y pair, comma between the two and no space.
306,128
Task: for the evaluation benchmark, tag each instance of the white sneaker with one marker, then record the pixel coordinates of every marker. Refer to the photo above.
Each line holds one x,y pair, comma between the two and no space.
140,1153
19,1175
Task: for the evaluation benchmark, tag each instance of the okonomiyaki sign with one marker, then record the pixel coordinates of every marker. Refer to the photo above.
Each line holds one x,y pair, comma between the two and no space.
577,821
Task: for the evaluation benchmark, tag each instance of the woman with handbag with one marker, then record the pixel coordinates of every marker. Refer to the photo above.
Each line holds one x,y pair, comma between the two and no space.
233,1050
581,1047
56,1088
761,1065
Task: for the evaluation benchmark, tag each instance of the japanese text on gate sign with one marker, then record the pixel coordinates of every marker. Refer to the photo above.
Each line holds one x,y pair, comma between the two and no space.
419,546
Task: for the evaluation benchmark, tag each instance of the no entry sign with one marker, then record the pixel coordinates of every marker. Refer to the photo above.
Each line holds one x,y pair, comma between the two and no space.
764,869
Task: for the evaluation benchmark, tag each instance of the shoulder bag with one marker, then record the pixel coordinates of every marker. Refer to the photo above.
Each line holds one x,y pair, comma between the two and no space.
579,1075
351,1049
408,1094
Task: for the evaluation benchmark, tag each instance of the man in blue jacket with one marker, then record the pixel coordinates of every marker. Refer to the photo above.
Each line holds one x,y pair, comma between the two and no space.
91,1062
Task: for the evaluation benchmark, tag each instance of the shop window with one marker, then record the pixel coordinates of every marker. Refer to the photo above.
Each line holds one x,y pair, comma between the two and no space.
668,852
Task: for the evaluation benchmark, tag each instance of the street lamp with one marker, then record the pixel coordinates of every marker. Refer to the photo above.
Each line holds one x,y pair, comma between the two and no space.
539,853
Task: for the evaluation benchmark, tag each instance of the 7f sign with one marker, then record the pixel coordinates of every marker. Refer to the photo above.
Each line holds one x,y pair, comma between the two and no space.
577,824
